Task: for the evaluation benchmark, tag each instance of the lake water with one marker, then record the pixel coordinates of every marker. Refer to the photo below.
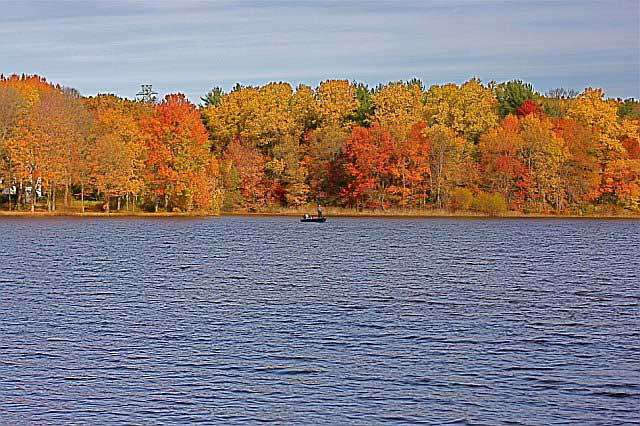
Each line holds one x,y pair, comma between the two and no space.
355,321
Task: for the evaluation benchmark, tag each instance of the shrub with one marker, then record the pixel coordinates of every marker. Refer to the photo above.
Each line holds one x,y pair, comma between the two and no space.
491,204
461,199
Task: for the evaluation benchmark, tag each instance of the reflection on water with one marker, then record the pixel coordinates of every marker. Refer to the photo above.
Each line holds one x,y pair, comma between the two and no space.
356,321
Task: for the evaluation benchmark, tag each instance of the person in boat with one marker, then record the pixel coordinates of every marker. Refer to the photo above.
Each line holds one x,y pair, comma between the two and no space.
319,210
306,215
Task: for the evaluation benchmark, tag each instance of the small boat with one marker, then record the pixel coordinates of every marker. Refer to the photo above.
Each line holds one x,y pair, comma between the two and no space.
308,218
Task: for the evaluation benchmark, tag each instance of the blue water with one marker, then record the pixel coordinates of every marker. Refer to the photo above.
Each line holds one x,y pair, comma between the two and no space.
355,321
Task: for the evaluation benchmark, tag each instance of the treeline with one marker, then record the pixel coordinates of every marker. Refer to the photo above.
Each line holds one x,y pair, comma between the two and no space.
479,147
57,146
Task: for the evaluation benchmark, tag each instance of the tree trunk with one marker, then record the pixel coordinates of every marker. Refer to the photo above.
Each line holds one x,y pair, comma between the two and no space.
18,195
440,170
118,203
10,181
66,193
82,196
404,187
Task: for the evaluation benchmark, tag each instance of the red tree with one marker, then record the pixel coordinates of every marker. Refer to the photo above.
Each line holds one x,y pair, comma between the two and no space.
528,107
179,158
366,156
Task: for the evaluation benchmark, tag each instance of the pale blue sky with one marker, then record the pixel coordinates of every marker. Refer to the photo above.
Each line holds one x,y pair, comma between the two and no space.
189,46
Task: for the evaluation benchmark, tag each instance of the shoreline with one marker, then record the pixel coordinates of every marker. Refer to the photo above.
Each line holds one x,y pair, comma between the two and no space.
62,214
329,213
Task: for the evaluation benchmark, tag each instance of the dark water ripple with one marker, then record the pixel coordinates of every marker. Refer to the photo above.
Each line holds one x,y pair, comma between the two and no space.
357,321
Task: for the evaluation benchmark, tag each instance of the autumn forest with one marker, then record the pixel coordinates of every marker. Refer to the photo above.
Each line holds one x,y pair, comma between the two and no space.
487,148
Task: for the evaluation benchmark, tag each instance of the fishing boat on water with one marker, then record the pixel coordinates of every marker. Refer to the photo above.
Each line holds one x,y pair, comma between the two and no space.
309,218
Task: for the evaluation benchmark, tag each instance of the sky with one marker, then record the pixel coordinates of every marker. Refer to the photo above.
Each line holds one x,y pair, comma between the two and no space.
192,46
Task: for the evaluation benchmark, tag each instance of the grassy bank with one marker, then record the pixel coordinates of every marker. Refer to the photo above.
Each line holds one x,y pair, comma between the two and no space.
113,214
328,211
94,209
418,213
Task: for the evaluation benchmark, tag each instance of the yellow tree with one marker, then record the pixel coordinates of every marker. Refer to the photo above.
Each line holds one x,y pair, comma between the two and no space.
280,139
591,110
235,116
306,115
336,102
304,108
447,155
287,157
470,109
543,153
281,133
24,152
48,135
78,141
398,107
12,106
600,116
261,116
275,122
116,159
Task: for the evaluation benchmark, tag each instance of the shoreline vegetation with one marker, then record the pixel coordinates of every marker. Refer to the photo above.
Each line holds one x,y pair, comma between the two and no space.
329,212
397,149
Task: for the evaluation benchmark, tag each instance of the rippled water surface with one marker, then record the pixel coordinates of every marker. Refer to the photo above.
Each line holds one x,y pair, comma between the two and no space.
355,321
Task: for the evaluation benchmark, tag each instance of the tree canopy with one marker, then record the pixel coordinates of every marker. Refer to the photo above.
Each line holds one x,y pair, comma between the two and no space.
471,146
